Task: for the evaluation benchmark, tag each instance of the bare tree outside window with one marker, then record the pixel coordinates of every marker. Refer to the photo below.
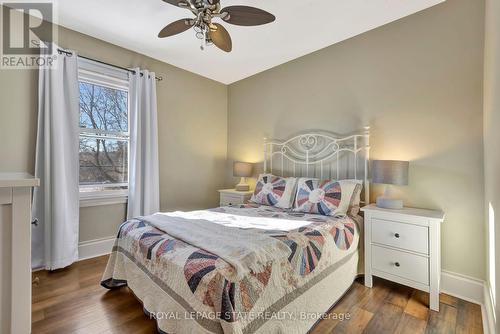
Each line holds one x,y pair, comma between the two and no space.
103,137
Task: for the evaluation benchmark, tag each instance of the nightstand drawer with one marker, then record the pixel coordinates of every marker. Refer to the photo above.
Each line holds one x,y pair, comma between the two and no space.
228,199
405,236
406,265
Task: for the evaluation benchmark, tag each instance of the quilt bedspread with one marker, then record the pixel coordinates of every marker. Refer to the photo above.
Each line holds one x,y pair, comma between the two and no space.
203,287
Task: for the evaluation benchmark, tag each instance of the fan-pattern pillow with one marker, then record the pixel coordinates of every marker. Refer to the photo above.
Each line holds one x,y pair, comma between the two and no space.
326,197
316,196
274,191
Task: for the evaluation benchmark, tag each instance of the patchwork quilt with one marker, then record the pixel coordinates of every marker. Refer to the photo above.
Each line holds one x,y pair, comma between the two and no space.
188,289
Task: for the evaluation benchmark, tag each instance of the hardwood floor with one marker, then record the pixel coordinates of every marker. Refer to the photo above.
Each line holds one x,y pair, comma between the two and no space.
72,301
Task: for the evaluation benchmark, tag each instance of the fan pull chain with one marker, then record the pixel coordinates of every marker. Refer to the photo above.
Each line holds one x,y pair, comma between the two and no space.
204,43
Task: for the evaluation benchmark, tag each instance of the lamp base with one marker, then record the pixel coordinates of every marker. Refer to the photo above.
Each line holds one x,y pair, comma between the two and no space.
242,186
389,203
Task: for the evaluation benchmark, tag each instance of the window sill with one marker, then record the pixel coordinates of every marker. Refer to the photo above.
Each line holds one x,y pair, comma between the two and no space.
99,198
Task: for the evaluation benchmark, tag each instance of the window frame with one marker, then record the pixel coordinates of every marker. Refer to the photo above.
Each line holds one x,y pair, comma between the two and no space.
102,75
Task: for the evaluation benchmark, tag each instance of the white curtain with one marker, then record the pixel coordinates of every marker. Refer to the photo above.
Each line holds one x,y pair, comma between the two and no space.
144,187
56,201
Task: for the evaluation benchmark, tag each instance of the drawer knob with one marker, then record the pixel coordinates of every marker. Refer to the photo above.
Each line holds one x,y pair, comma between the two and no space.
396,235
397,264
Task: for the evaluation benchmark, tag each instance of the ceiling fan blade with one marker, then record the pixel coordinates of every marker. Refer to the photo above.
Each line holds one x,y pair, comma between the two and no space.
176,27
247,16
178,3
220,37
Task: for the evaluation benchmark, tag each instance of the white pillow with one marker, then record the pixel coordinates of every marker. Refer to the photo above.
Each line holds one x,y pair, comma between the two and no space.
274,191
326,197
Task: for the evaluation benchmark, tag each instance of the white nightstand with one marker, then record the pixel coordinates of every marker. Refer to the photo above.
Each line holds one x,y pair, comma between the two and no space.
233,197
403,246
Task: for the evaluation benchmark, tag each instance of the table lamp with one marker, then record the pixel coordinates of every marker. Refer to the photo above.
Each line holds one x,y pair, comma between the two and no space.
390,172
243,170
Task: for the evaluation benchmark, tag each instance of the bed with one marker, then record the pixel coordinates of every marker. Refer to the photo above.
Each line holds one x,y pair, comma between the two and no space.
249,268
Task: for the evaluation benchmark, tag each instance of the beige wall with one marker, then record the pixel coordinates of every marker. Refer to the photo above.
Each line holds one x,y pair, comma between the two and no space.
492,142
418,83
192,121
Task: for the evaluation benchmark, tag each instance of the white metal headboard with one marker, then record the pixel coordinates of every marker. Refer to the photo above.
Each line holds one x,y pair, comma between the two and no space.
322,155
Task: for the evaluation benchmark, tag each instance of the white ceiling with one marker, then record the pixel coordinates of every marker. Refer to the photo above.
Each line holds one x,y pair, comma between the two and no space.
301,27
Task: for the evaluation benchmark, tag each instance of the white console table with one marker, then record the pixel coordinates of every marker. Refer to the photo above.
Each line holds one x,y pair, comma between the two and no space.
15,252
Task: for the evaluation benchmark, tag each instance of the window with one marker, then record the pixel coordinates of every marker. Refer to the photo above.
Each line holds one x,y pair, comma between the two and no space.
104,133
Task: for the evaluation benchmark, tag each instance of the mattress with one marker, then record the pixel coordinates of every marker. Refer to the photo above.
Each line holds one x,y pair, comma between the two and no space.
189,290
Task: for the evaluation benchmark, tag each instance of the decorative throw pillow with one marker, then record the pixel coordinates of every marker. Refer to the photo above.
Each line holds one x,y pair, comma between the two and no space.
274,191
355,203
326,197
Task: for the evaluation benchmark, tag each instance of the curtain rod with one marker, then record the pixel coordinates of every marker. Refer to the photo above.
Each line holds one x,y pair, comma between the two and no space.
69,53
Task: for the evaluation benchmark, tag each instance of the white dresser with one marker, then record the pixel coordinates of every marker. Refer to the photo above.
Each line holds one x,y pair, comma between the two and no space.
234,197
403,246
15,252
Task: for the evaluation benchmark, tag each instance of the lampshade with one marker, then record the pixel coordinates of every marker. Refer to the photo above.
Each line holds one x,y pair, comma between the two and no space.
390,172
242,169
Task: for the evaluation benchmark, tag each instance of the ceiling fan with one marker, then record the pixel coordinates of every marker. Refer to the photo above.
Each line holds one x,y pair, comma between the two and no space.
214,33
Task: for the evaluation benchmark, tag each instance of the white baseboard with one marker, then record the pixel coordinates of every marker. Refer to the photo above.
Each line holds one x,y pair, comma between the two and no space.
95,248
473,290
489,316
463,287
